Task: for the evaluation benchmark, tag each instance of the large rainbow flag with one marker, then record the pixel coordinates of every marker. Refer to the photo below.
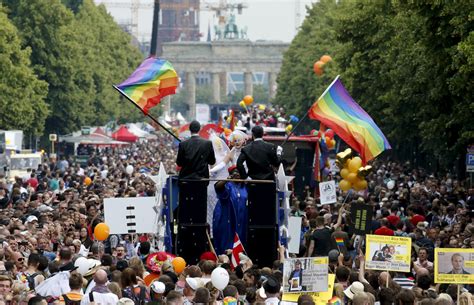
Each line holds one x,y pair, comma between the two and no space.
338,110
154,79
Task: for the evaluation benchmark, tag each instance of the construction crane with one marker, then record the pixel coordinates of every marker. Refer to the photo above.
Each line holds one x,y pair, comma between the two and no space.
134,6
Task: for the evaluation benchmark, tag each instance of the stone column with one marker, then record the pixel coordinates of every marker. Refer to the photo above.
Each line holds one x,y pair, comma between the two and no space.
272,84
216,91
223,79
191,89
248,83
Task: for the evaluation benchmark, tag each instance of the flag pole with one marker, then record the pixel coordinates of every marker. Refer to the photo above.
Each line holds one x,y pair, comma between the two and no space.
147,114
307,112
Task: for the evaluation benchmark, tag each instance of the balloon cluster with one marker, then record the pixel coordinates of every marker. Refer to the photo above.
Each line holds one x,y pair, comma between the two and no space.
318,66
328,136
352,172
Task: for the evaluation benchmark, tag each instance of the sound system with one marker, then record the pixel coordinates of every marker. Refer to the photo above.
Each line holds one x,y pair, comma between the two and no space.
262,244
192,207
262,204
192,242
303,170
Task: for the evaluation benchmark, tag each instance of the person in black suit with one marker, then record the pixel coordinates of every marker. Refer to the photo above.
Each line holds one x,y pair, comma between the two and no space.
195,155
260,156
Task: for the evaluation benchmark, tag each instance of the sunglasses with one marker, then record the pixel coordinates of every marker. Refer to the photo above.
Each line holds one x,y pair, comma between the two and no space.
21,259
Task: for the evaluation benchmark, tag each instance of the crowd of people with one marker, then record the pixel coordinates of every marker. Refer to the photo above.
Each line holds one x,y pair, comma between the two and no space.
47,221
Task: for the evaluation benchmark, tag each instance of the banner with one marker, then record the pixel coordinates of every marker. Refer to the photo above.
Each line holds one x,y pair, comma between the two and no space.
388,253
308,274
361,218
327,192
320,298
454,266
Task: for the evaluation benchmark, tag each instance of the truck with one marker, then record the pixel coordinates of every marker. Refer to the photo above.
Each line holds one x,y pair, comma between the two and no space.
20,165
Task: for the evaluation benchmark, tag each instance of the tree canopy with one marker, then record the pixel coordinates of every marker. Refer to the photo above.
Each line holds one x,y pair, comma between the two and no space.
408,64
22,94
79,51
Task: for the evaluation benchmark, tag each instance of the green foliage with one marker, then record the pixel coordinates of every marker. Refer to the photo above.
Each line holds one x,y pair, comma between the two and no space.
22,95
409,65
80,56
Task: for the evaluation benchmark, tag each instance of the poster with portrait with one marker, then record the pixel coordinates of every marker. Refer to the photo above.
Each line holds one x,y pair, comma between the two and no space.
389,253
309,274
327,192
319,298
454,266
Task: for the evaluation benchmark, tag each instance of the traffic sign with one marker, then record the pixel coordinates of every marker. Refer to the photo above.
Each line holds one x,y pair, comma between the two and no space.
470,162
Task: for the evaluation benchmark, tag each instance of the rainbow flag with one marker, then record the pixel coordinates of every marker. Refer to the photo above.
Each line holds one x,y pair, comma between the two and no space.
340,241
335,301
337,110
154,79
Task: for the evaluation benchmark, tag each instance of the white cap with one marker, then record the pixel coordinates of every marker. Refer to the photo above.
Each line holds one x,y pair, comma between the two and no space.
158,287
31,218
44,208
353,289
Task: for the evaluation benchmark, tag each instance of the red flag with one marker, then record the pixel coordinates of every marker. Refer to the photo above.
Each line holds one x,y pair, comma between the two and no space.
238,248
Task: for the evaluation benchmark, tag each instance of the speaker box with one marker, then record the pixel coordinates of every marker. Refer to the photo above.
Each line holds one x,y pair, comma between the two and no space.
262,204
262,243
303,170
191,242
192,207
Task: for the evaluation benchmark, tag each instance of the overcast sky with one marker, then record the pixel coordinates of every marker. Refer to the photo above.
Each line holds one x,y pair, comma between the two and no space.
265,19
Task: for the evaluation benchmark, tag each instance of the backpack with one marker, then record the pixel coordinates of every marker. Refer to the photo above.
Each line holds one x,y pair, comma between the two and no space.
31,280
136,294
68,301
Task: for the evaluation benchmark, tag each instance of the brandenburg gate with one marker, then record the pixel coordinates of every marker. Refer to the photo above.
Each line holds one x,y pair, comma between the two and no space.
221,57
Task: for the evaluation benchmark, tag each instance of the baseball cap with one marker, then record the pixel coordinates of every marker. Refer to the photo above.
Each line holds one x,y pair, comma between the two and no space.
31,218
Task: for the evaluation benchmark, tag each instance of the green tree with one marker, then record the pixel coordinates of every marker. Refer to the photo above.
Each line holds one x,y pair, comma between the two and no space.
22,95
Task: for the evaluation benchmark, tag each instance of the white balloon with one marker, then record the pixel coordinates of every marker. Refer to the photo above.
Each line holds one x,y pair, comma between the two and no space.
82,265
391,184
129,169
220,278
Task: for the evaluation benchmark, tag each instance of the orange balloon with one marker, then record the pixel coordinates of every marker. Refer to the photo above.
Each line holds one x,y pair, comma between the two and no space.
178,264
318,68
248,99
150,278
87,181
325,59
101,231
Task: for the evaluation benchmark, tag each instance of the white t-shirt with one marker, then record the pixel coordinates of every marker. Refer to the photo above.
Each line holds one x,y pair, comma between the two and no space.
101,298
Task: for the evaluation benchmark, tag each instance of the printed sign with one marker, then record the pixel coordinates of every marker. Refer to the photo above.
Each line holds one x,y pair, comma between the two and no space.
389,253
454,266
319,298
308,274
327,192
131,215
361,217
470,162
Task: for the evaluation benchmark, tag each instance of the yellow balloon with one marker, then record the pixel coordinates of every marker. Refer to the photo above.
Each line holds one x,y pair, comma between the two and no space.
345,185
242,104
344,173
261,107
360,184
352,177
355,164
